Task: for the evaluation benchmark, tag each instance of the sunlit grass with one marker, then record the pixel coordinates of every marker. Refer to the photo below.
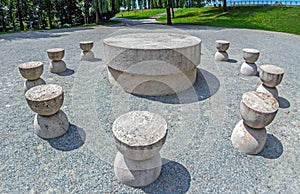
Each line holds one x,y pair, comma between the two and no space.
140,14
281,19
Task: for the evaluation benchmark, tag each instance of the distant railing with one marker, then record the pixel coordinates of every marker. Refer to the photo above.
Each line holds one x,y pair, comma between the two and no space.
252,3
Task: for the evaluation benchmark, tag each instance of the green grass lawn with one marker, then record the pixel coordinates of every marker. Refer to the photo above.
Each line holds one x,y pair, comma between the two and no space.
140,14
281,19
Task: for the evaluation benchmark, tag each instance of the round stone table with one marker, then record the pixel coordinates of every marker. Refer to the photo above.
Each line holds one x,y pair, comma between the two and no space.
153,64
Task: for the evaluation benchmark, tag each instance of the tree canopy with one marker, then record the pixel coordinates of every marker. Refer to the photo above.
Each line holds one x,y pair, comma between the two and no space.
42,14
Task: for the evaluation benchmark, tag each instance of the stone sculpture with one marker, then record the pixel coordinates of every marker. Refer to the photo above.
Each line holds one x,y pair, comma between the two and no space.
153,64
32,72
139,136
56,55
46,100
257,110
221,54
270,76
250,56
86,53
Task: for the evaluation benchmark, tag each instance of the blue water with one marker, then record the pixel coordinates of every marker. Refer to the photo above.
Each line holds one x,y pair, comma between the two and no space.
257,2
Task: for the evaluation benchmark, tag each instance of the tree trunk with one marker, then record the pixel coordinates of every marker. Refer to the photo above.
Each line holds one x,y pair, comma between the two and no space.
98,19
113,9
49,14
20,15
225,6
12,19
169,20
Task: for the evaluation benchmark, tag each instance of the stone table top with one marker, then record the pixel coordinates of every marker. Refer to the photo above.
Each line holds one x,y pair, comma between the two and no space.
152,41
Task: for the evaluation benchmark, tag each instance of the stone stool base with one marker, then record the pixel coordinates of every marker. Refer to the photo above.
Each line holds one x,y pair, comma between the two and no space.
137,173
221,56
29,84
87,55
51,126
57,66
248,140
267,90
249,69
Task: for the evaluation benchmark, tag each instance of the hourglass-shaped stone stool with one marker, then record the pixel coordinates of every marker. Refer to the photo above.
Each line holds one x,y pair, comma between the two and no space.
32,72
250,56
257,110
222,46
57,65
270,76
46,100
86,53
139,136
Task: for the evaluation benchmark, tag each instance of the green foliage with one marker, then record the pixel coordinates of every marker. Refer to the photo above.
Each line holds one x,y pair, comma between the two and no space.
281,19
47,14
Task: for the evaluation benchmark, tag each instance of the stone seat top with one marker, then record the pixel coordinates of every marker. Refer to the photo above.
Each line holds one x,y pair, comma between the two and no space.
250,50
55,50
86,42
260,102
222,41
44,92
272,69
152,41
30,65
140,128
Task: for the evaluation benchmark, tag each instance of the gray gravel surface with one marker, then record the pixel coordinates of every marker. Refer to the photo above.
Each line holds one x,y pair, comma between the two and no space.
198,155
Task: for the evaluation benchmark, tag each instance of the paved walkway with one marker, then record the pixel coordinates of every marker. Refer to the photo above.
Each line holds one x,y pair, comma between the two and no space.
198,154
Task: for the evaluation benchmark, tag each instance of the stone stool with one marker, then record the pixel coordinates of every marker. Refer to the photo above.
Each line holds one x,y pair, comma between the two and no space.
249,67
32,72
86,53
270,76
257,110
46,100
222,46
57,65
139,136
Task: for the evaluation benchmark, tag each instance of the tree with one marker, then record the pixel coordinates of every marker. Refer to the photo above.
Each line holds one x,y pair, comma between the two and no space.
19,8
225,6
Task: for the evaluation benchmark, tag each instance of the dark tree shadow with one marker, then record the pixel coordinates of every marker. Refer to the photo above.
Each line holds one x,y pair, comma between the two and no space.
283,103
95,60
232,61
54,33
67,72
73,139
206,85
273,148
174,178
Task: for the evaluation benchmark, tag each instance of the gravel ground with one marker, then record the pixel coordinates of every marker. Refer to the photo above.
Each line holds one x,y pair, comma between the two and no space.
198,155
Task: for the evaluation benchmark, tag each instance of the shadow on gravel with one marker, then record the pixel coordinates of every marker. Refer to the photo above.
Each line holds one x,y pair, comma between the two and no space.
67,72
73,139
95,60
56,33
174,178
206,85
283,103
273,148
232,61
